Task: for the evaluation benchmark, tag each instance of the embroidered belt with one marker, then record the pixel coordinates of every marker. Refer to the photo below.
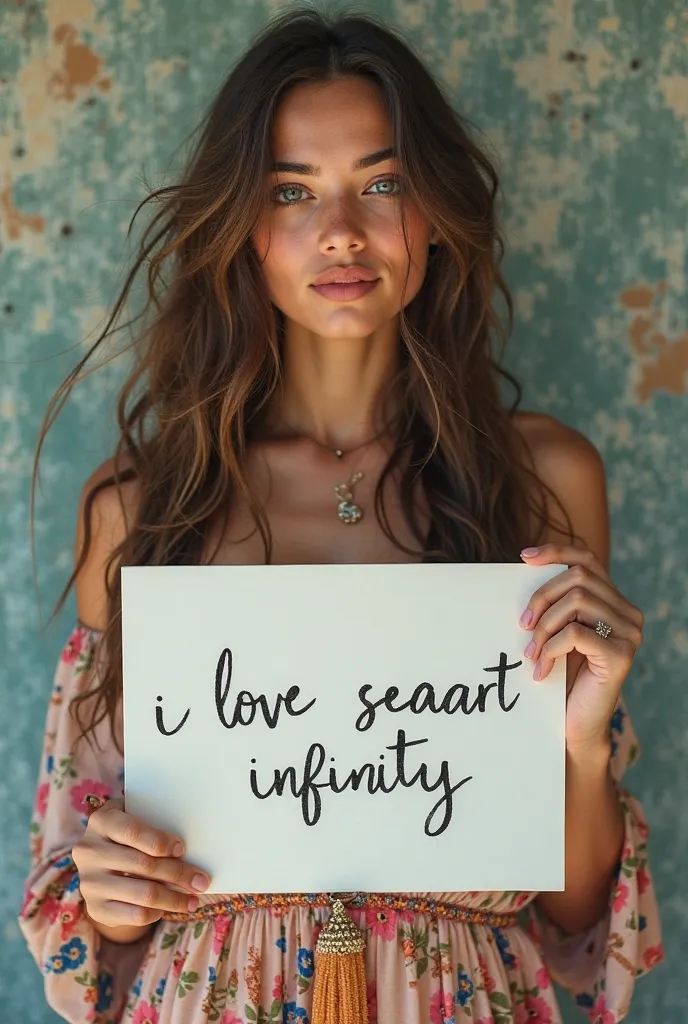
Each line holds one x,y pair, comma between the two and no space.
281,901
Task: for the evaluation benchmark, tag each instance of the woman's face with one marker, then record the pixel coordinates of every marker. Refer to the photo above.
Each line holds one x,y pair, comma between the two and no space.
336,214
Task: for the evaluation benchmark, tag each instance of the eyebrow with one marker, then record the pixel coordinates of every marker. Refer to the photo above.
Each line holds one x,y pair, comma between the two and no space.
358,165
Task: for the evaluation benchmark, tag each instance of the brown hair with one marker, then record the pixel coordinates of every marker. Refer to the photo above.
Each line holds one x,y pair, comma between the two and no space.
207,354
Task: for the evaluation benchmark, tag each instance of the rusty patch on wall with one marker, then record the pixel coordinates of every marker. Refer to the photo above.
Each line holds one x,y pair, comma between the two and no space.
662,361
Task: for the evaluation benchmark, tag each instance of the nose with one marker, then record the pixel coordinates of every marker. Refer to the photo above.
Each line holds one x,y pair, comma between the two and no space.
341,229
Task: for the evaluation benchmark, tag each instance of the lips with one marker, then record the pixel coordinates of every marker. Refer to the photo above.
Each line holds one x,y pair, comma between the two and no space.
345,275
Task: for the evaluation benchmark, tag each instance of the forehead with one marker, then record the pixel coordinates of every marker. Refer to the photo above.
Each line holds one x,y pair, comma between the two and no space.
320,123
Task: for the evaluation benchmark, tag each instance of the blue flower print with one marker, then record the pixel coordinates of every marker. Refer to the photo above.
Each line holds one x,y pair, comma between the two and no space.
304,959
465,989
212,975
502,941
73,884
281,943
617,720
137,986
63,862
161,987
68,958
616,727
104,991
585,1001
291,1013
49,764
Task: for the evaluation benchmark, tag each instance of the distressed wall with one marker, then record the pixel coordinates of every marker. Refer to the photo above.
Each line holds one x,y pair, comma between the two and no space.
586,104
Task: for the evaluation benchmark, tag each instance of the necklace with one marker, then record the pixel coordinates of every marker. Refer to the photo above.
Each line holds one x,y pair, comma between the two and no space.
347,510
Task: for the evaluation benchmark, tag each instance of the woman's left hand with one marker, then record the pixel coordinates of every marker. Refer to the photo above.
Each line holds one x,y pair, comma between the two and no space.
565,612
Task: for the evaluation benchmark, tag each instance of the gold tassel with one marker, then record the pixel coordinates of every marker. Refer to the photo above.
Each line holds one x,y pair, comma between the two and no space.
339,987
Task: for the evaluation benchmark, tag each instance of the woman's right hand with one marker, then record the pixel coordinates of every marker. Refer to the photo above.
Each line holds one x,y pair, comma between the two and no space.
124,906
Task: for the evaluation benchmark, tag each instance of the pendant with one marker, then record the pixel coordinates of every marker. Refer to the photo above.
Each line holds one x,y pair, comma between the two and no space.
348,512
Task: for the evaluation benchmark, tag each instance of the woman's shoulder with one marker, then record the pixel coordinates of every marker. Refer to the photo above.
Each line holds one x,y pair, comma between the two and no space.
103,519
569,464
560,454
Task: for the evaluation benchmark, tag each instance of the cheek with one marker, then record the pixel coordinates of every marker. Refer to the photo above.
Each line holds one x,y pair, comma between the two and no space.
279,252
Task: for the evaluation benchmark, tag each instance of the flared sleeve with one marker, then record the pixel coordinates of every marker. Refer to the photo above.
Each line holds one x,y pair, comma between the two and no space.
599,966
86,976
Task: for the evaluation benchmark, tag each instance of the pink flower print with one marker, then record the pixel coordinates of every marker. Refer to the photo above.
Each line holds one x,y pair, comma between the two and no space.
542,978
220,932
643,880
600,1014
229,1017
520,899
145,1014
42,799
79,795
69,915
50,908
653,955
642,828
539,1012
487,981
382,923
371,992
277,992
72,649
619,896
178,963
441,1007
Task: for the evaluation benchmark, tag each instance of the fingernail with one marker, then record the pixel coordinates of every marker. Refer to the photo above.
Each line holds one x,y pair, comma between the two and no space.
530,649
177,849
200,882
537,671
526,618
530,552
193,903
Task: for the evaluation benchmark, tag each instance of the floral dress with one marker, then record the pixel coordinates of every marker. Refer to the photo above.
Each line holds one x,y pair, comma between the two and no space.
256,965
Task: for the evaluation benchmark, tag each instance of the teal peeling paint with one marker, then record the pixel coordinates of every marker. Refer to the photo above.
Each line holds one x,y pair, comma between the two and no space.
587,108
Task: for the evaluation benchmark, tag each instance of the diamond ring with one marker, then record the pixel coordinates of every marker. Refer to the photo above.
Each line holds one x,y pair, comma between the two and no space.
603,629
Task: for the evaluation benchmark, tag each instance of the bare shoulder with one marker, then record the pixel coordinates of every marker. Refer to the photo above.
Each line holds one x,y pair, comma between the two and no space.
558,451
104,522
570,464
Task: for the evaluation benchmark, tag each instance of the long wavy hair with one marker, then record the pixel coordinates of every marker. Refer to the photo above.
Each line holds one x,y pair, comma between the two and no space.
207,351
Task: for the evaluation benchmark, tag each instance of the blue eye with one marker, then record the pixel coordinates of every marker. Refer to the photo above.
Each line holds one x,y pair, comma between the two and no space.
300,188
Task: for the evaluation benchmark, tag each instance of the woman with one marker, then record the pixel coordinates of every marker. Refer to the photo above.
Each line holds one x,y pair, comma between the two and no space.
275,409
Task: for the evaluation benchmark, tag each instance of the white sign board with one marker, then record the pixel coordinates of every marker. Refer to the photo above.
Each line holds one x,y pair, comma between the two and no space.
317,728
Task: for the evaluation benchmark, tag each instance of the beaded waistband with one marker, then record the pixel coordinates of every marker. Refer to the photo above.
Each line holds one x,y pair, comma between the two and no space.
280,902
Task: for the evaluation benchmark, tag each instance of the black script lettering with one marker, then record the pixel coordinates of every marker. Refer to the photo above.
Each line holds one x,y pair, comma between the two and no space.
161,725
311,803
424,698
372,778
367,717
246,701
502,669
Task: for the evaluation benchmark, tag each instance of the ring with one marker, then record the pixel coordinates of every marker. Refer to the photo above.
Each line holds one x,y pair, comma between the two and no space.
603,629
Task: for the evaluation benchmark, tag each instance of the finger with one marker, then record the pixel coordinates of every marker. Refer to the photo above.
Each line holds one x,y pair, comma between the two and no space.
565,554
114,913
111,856
616,654
125,829
140,892
581,579
579,606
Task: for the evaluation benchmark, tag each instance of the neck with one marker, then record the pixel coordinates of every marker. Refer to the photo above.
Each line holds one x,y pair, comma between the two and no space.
332,389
